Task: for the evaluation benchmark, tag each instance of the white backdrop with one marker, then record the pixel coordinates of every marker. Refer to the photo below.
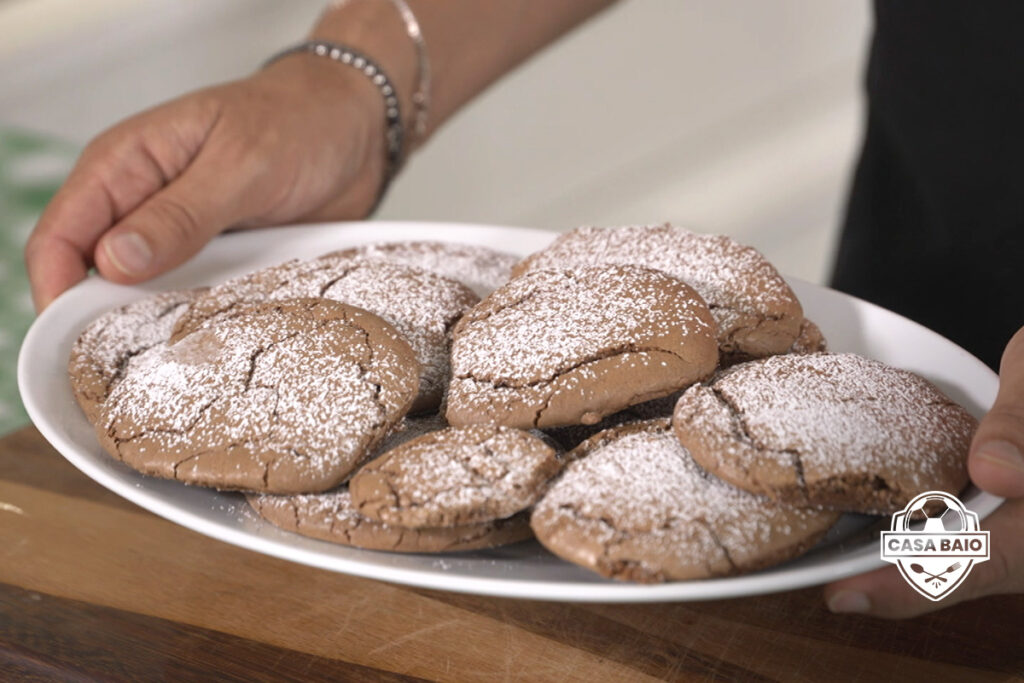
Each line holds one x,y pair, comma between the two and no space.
733,116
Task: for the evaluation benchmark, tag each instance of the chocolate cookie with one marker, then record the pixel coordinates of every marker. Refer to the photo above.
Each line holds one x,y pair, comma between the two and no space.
810,339
634,505
480,268
407,429
556,348
331,517
840,431
422,306
756,311
115,340
283,397
572,436
454,477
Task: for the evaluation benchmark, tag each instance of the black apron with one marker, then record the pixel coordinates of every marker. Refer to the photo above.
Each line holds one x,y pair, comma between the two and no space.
934,228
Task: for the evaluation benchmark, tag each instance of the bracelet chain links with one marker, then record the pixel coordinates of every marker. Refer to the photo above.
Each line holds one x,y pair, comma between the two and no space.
394,131
421,94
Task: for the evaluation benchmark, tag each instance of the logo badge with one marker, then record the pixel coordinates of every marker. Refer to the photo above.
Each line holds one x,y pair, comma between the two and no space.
935,541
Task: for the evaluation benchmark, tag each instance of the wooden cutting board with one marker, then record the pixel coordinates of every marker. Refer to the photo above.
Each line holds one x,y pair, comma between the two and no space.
92,586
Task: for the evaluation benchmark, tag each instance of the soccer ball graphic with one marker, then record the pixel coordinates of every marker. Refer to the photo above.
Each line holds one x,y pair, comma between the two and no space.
935,515
935,541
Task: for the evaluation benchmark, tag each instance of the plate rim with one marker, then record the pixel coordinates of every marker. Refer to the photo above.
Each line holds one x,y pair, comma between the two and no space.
771,580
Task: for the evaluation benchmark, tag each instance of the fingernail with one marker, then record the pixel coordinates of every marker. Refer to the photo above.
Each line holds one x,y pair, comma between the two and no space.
1002,453
849,602
129,252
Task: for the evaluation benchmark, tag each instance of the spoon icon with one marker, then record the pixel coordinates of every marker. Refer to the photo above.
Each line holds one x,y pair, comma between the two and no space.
936,577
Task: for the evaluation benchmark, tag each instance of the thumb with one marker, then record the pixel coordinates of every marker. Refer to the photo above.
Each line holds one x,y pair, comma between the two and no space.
884,593
171,225
996,462
995,465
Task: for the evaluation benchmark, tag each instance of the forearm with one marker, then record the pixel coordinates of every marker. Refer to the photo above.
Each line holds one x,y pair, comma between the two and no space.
470,43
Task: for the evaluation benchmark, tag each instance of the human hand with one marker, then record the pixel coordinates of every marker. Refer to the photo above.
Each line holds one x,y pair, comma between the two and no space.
996,465
301,140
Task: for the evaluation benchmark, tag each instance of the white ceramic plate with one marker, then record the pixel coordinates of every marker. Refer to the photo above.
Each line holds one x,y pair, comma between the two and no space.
523,570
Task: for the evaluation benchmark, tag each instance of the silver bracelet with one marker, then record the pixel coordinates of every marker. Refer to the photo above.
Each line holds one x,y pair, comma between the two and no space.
394,132
421,92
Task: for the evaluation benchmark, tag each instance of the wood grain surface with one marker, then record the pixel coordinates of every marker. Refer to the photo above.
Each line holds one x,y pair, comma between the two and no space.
93,587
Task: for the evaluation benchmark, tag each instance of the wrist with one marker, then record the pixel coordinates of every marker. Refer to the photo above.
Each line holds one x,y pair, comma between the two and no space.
337,91
375,28
342,109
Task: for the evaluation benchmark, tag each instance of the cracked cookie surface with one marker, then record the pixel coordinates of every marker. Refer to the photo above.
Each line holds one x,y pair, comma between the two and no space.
810,340
572,436
115,340
482,269
455,476
632,504
556,348
421,305
332,517
283,397
838,430
756,311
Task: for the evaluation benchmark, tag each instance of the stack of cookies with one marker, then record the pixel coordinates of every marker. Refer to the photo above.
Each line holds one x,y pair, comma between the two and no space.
649,402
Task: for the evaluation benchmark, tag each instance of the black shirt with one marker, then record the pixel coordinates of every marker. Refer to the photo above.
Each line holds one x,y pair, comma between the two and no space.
935,223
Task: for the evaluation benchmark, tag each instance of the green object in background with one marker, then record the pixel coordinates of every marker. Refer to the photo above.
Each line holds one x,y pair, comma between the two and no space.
31,169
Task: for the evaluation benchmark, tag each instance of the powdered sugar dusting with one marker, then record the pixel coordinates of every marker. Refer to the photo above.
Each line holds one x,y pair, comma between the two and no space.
646,480
458,475
318,509
335,506
736,281
639,498
111,343
421,305
259,285
480,268
543,324
332,517
407,429
291,395
839,415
